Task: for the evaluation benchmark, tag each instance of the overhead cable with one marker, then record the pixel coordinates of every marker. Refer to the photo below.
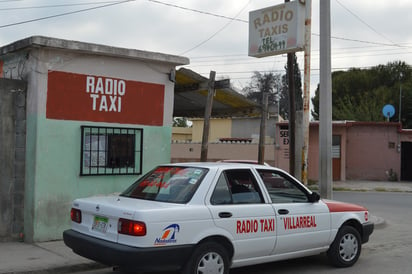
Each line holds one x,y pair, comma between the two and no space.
63,14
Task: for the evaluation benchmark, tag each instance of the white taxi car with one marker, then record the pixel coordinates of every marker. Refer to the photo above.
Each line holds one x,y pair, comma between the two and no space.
210,217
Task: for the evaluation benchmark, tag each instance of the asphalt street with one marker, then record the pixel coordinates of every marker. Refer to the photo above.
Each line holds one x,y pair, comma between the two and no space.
389,249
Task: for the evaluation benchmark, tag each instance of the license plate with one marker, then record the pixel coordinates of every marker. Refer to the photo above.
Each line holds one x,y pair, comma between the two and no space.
100,224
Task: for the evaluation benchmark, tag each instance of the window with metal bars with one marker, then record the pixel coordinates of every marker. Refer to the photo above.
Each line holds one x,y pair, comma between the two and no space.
111,151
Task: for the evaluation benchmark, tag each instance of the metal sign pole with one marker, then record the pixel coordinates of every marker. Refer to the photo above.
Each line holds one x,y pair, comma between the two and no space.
325,103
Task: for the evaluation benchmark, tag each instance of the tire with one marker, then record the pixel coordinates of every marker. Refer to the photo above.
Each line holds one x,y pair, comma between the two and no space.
208,257
346,248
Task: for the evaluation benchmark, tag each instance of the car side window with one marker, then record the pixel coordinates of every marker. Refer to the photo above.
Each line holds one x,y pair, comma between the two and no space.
282,189
237,186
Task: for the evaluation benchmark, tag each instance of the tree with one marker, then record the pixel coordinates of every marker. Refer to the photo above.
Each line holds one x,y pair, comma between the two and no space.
180,122
284,95
360,94
267,82
278,87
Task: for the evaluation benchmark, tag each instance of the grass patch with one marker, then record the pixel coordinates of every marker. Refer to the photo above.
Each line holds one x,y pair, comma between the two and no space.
380,189
313,187
341,189
312,182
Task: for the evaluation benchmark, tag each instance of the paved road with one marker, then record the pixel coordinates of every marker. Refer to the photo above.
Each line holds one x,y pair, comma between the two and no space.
389,249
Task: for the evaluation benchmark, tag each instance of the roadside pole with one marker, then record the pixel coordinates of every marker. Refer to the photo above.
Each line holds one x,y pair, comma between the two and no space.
306,92
292,109
262,135
325,103
292,113
208,113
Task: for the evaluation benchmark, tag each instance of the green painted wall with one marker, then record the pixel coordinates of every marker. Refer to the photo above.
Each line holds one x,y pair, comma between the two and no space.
53,168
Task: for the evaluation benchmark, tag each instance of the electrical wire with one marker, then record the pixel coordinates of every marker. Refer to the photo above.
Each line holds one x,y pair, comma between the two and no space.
365,23
214,34
58,5
236,61
199,11
64,14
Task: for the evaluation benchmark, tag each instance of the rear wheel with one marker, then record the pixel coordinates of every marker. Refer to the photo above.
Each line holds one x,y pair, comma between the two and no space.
345,249
209,257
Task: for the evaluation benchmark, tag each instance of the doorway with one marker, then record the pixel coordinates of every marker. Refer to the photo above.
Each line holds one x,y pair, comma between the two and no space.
406,161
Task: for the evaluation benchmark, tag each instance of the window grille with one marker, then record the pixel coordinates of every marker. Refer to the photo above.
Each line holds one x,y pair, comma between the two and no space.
111,151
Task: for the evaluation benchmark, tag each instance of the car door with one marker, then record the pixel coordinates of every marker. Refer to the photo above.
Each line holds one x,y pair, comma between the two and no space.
300,223
238,206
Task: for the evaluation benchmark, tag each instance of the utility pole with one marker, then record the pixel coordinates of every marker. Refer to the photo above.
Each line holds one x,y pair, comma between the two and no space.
208,113
400,104
292,109
264,113
292,113
306,92
325,103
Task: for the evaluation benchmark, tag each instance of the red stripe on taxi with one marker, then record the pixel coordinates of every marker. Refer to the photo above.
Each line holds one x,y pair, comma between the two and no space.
335,206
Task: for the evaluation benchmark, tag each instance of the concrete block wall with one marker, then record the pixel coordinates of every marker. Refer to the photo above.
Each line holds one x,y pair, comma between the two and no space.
12,158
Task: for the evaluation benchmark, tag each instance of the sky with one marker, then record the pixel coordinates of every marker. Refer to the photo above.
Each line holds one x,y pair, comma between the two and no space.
213,34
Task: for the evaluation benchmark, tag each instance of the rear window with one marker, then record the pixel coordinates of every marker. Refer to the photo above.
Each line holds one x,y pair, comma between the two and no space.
167,184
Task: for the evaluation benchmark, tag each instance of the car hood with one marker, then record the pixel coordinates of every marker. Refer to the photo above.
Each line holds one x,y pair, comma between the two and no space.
336,206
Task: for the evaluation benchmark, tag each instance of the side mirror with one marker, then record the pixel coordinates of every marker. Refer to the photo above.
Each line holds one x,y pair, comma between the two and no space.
314,197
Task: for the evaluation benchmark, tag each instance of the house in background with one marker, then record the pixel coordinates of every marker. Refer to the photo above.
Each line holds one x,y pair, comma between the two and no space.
360,150
78,119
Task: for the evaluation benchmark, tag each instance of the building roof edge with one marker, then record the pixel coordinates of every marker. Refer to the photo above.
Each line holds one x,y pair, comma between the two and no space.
91,48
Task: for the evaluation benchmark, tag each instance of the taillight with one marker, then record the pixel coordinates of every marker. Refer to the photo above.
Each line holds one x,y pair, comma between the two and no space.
130,227
76,215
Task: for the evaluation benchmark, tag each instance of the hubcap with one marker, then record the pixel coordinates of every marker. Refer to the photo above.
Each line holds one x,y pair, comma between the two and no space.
211,263
348,247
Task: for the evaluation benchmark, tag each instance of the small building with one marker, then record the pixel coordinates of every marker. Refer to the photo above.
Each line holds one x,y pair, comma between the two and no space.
77,119
360,151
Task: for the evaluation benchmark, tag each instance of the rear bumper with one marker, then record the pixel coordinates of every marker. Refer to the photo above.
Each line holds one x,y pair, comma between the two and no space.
134,258
367,229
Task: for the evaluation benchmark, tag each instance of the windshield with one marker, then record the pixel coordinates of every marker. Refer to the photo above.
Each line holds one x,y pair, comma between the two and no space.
167,184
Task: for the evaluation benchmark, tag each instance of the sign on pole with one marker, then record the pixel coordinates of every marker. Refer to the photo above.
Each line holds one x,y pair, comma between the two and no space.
276,30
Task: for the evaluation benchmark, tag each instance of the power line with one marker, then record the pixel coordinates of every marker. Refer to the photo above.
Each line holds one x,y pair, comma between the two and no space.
64,14
58,5
199,11
315,34
214,34
111,3
246,21
364,41
366,24
228,62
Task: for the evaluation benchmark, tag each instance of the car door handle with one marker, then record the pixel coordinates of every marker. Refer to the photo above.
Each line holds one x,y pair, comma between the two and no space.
283,211
225,214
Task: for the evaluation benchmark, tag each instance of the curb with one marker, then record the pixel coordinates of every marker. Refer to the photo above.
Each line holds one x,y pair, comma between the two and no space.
379,222
62,269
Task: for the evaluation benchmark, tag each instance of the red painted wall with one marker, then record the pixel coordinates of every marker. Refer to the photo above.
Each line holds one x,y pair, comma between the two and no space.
72,96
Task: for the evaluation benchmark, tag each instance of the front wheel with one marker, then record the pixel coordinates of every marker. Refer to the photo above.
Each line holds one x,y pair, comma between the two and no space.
209,257
345,249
